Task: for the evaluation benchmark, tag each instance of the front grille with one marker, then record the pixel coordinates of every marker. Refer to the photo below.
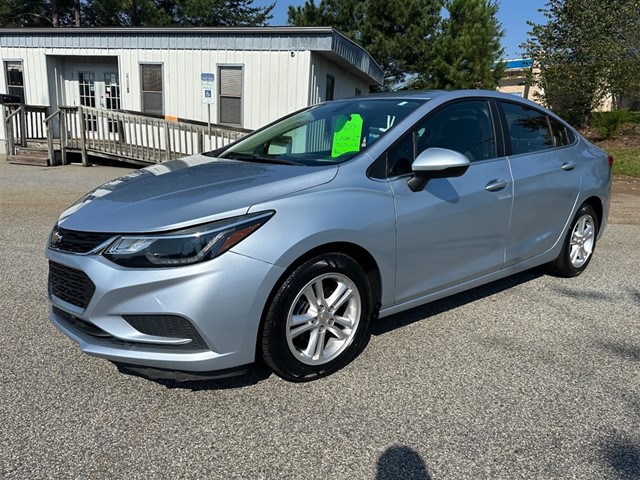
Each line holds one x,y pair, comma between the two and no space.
77,242
167,326
70,285
105,338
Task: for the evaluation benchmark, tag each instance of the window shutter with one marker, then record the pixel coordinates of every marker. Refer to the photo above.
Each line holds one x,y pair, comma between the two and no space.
231,82
230,96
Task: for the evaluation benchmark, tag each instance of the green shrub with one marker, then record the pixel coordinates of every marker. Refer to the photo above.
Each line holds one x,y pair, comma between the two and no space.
634,117
609,124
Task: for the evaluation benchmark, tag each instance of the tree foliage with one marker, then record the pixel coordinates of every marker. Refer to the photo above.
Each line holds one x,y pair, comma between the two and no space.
183,13
397,33
466,51
133,13
36,13
587,50
415,46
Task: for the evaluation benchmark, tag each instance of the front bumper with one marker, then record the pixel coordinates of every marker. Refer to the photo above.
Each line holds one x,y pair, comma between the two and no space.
222,300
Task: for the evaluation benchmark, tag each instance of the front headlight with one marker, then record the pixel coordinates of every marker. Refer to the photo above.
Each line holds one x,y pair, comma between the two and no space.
184,247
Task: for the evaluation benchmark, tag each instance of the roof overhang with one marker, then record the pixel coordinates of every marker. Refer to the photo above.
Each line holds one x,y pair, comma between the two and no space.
325,40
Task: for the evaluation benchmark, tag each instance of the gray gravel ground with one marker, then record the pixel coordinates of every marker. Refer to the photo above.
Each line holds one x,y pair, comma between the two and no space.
530,377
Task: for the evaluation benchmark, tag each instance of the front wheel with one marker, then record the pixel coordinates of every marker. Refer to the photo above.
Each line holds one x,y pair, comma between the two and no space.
578,245
318,319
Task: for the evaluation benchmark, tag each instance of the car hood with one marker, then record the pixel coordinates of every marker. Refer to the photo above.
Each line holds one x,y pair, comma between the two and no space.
182,192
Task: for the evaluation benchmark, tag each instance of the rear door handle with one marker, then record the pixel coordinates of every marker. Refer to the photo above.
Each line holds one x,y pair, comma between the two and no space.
569,165
496,185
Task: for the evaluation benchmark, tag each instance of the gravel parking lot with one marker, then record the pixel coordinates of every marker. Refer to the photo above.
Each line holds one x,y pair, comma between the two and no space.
529,377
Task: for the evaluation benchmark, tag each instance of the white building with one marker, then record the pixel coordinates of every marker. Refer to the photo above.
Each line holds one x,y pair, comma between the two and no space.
243,77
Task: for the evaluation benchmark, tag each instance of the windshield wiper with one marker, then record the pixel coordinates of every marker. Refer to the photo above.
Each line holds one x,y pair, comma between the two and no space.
249,157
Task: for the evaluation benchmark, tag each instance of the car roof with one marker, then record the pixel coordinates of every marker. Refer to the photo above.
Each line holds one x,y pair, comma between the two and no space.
445,95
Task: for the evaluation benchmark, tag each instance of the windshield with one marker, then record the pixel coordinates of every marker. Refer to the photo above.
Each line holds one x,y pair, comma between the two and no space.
329,133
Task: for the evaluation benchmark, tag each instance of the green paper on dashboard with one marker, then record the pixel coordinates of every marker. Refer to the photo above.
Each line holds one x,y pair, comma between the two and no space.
347,135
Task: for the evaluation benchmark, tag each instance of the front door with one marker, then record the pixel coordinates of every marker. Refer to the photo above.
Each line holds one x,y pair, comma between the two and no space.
111,96
455,229
87,97
99,88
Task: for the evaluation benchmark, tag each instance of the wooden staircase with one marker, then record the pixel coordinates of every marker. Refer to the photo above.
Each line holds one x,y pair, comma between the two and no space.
35,153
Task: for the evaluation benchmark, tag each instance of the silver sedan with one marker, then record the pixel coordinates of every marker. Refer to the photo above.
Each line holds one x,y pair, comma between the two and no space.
285,245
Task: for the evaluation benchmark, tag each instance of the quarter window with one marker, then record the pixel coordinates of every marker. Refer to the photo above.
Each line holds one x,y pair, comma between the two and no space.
465,127
528,129
152,88
560,134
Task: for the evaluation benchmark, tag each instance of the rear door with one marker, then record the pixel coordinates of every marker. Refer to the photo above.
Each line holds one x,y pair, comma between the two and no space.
546,180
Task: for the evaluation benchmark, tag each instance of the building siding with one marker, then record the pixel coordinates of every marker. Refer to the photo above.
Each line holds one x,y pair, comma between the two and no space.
283,69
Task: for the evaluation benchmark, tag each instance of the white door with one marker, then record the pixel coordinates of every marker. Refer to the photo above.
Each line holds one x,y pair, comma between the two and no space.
98,87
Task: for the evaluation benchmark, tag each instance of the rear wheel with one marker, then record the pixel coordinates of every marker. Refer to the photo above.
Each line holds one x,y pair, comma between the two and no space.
319,318
578,245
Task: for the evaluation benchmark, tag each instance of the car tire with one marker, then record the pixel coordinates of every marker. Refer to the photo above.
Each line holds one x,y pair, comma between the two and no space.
318,320
579,244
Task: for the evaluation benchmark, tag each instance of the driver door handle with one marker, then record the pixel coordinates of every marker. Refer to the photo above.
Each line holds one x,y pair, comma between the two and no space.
496,185
569,165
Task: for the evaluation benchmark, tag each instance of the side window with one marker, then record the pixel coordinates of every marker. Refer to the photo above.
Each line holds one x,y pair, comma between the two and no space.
465,127
151,76
560,134
15,78
528,128
230,95
330,88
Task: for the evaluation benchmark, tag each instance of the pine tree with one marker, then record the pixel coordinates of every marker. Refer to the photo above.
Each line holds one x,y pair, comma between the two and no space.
36,13
467,49
185,13
398,34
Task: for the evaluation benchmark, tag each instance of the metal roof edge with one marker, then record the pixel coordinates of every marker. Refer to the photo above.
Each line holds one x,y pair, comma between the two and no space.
165,30
324,40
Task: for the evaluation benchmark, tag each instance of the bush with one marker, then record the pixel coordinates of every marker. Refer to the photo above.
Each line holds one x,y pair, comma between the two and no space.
634,117
609,124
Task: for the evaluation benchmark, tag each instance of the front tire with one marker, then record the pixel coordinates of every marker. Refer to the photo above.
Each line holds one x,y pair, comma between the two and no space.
578,245
318,321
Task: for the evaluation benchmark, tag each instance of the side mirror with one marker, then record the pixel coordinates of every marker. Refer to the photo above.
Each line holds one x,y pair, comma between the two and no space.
436,163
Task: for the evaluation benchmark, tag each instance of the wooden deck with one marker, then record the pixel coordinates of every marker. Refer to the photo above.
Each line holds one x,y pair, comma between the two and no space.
128,137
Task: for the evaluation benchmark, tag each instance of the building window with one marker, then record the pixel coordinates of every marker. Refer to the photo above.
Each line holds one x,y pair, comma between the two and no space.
151,75
331,85
358,92
15,78
230,96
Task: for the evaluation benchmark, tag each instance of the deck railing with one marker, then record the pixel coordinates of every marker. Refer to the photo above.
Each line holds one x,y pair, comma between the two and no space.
119,135
134,137
22,123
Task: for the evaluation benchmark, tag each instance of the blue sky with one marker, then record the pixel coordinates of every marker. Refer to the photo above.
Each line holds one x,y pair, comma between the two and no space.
513,15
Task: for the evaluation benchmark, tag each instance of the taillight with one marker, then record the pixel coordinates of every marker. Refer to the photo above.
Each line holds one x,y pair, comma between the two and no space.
610,158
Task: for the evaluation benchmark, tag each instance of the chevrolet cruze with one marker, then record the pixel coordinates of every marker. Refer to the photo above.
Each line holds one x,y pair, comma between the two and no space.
284,246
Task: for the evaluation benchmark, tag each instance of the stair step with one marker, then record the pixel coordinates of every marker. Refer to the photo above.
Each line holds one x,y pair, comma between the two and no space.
35,160
32,151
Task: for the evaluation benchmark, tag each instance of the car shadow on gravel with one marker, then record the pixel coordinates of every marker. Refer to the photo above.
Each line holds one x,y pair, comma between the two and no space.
623,456
259,372
399,320
255,374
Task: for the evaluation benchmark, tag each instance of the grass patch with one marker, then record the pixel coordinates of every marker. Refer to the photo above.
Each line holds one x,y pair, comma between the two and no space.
626,160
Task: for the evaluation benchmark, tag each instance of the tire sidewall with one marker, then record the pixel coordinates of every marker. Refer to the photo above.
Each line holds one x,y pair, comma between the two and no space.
274,340
565,255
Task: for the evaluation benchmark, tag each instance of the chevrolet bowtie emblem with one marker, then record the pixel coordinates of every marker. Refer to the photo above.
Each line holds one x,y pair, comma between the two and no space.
56,237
